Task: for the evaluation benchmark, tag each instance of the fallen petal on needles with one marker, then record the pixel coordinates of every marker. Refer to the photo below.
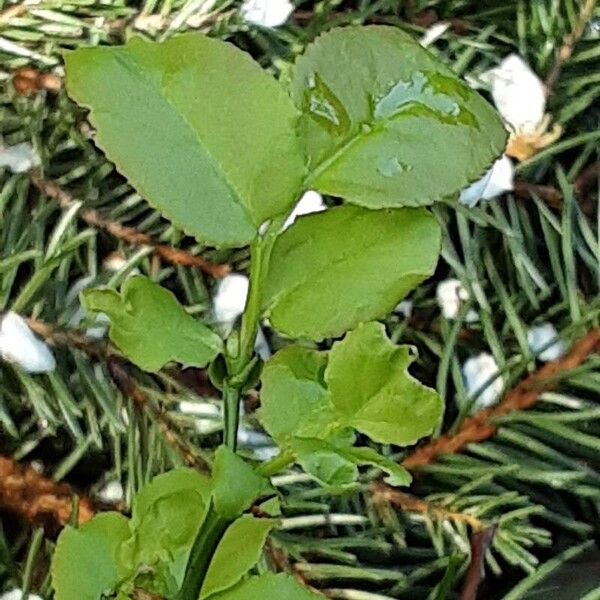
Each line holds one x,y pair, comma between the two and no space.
267,13
479,371
520,97
311,202
451,295
19,158
19,346
230,299
544,342
498,180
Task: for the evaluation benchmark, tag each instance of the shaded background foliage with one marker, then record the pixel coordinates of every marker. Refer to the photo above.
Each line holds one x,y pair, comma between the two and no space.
527,257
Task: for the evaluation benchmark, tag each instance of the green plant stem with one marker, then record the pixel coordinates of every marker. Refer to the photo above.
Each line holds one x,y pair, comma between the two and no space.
231,402
273,466
206,542
238,366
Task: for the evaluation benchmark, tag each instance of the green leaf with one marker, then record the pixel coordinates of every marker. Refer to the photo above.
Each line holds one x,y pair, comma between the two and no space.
235,484
326,463
336,465
166,515
168,486
333,270
385,123
201,131
239,550
151,328
373,392
396,474
85,565
269,587
294,398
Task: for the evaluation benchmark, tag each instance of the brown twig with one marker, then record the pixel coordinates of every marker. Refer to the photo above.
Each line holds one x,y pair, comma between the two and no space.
384,494
58,337
12,12
480,542
26,493
553,197
29,81
118,369
128,234
549,194
587,179
566,50
481,426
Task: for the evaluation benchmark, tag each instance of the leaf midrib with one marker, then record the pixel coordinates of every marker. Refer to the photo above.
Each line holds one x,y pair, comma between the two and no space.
219,170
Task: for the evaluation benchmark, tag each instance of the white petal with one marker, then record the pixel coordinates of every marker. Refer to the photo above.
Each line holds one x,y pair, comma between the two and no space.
111,492
18,345
230,299
250,438
434,33
266,453
540,336
405,308
518,93
98,331
498,180
451,295
19,158
267,13
261,346
311,202
501,180
17,594
477,371
209,417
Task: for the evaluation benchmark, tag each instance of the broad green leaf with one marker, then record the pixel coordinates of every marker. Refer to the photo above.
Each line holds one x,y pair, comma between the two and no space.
333,270
151,328
326,463
373,392
235,484
294,399
337,465
201,131
396,474
269,587
167,485
385,123
166,516
239,550
85,565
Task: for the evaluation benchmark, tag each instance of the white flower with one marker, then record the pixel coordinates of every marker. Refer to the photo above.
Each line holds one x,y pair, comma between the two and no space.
518,93
19,158
111,492
477,372
499,179
311,202
17,594
230,299
267,13
434,33
18,345
451,294
540,336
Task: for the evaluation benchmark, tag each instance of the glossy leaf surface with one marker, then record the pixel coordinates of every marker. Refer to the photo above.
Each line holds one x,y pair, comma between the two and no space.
386,123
